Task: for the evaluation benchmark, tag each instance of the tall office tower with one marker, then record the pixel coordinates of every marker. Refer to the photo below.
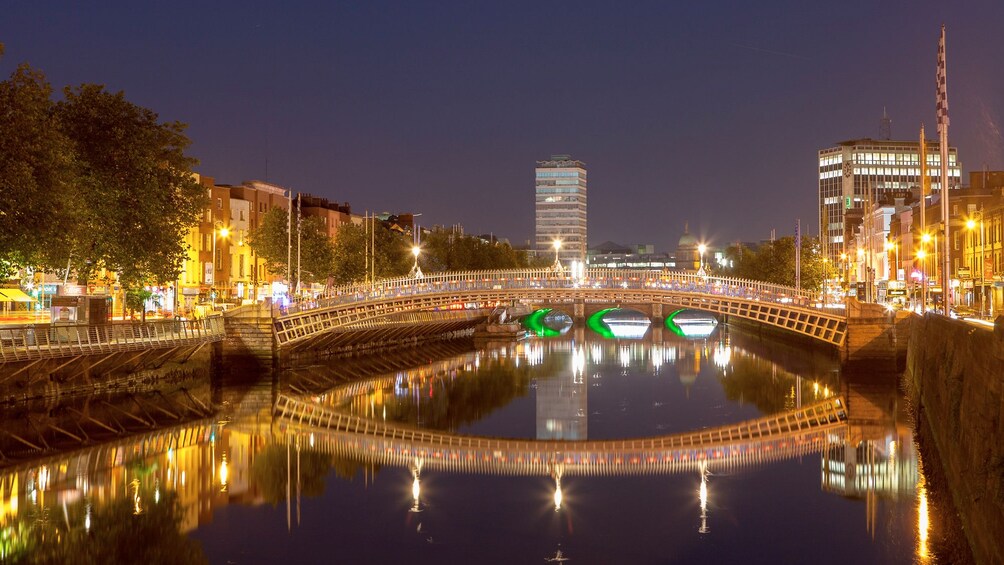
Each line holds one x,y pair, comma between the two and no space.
853,169
561,208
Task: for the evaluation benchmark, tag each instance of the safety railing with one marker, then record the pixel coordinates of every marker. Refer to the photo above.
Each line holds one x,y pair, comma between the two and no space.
41,341
614,279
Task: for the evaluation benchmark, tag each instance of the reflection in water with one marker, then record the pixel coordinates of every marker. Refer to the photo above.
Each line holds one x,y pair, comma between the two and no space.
145,493
703,496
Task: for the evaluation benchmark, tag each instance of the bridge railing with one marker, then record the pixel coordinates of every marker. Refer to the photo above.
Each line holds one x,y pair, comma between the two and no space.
49,341
598,278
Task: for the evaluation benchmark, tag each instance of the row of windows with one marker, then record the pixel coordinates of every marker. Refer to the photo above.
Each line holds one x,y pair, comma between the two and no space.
564,190
911,156
556,174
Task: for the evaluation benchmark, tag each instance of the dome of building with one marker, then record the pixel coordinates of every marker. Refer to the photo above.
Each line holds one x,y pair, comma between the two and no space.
687,240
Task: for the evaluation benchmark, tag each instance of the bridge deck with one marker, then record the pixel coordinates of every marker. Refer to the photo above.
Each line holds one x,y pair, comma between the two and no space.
783,307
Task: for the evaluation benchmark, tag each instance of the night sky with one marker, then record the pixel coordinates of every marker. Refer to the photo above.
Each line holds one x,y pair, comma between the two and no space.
706,111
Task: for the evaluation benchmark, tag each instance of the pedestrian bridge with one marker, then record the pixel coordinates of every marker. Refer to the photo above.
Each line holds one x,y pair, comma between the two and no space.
751,443
344,308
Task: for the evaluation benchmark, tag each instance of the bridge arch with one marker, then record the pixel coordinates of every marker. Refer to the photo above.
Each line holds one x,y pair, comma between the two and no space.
782,307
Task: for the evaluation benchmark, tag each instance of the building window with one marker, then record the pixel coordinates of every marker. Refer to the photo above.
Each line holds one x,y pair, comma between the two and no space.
242,215
219,203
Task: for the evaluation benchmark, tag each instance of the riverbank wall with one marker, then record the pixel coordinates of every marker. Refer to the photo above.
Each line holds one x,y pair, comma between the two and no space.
955,380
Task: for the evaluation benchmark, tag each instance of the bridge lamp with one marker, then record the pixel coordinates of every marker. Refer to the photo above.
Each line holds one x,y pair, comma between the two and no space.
700,250
557,248
416,271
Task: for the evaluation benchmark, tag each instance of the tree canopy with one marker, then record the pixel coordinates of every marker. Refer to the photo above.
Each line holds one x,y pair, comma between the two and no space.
140,195
774,262
38,172
392,256
444,250
93,180
270,241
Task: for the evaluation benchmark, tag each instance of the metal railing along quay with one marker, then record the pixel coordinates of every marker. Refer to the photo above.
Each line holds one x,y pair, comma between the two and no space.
41,341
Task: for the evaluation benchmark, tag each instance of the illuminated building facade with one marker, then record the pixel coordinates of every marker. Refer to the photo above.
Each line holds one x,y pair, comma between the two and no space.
561,208
852,169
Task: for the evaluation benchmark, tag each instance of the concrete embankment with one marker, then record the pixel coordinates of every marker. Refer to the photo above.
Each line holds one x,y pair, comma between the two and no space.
955,379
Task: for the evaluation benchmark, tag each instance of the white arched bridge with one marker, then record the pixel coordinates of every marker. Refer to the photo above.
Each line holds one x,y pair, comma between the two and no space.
362,306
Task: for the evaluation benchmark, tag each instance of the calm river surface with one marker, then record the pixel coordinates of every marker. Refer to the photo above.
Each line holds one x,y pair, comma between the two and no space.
245,487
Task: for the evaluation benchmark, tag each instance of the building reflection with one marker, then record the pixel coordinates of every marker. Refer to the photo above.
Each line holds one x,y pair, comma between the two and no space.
205,465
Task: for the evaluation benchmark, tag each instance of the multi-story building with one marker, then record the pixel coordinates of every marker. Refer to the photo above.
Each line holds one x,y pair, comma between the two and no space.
219,260
332,214
561,208
860,171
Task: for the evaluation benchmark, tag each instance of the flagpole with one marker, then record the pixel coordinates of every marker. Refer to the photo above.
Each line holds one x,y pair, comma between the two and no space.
942,109
923,225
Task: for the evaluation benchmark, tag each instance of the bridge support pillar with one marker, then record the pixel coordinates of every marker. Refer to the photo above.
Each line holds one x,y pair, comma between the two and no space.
579,311
875,335
657,317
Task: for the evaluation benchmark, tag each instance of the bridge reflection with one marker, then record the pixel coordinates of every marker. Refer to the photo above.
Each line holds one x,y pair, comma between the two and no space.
249,456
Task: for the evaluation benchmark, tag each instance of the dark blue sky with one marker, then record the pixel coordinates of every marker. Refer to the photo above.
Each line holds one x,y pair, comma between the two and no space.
707,111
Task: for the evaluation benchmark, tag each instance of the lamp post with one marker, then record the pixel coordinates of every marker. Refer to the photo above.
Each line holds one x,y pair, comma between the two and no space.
971,225
416,271
922,256
701,248
847,282
557,262
224,232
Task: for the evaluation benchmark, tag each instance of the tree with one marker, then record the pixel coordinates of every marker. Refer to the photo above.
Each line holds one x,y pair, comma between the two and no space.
271,243
37,174
393,257
139,195
444,250
774,262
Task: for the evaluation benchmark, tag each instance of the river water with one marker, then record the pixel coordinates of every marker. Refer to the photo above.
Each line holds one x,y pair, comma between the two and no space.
244,486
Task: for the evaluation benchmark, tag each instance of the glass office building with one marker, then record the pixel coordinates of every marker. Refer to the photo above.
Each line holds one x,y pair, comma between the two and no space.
848,171
561,208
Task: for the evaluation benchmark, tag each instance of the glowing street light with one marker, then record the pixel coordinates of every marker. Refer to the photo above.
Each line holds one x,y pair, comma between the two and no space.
223,232
557,248
700,250
416,271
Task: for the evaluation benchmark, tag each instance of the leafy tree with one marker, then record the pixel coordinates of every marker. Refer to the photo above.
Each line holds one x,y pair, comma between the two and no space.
37,175
774,262
139,195
271,243
444,250
393,257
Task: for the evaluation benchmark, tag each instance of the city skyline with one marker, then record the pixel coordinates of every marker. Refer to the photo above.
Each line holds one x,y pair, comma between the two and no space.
683,114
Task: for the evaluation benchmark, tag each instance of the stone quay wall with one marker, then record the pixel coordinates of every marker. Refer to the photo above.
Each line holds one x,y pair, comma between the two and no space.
955,380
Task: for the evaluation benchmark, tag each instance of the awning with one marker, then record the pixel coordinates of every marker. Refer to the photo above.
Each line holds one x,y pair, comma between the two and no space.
15,295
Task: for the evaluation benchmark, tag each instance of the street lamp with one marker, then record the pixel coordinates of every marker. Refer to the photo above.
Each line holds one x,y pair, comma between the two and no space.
891,246
971,224
224,232
416,271
922,255
701,248
557,248
847,282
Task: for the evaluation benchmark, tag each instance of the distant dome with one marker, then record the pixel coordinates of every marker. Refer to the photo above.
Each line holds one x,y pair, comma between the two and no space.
686,240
